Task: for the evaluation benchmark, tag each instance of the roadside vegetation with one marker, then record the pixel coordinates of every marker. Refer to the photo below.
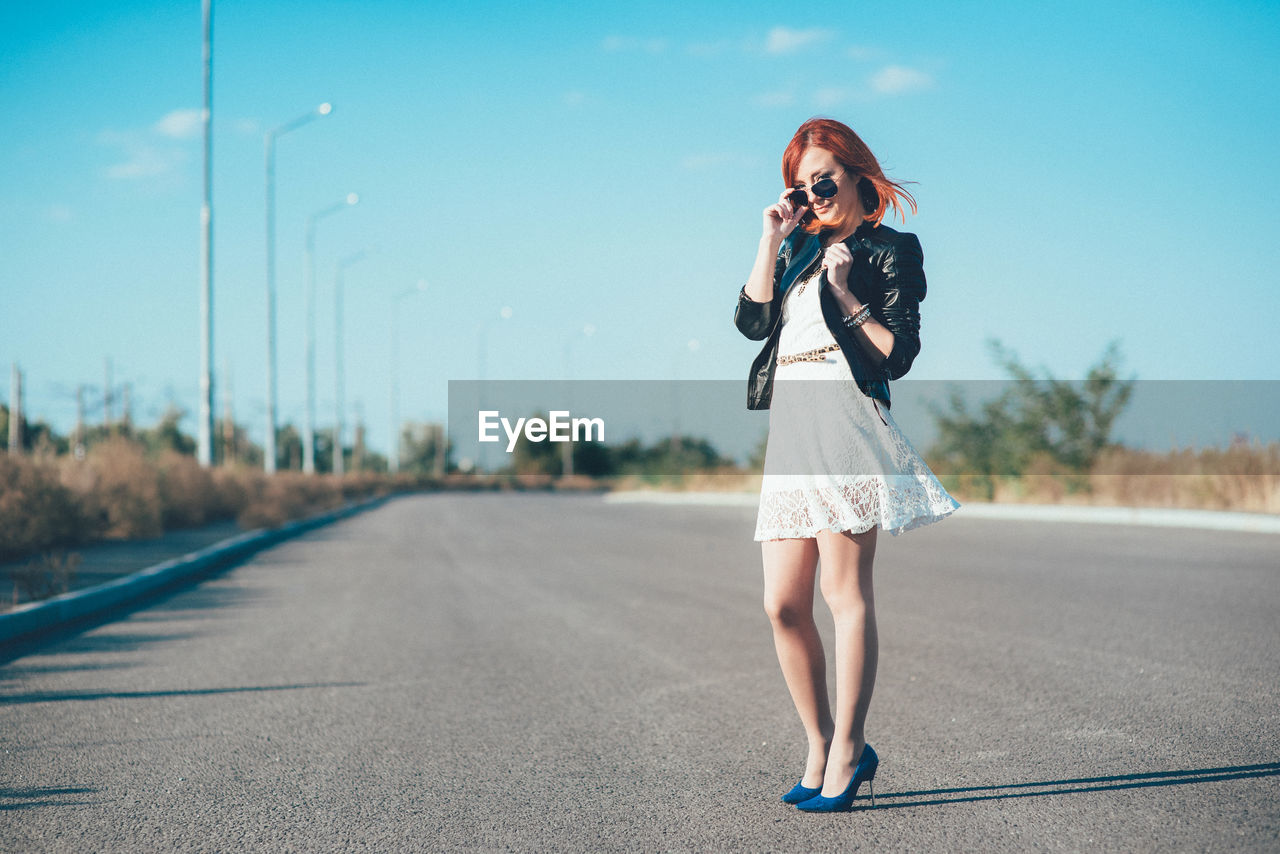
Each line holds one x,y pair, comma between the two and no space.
1045,440
118,490
1041,440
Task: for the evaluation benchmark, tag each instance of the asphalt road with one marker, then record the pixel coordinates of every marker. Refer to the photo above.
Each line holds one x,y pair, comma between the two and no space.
548,673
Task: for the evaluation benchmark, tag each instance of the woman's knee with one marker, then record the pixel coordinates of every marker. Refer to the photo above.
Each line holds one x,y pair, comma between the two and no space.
844,593
787,612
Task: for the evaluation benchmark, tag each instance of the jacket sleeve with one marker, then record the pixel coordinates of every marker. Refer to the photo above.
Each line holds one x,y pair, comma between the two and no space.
902,268
755,319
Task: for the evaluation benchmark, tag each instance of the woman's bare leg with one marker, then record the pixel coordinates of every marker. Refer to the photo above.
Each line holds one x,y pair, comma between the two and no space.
789,572
846,587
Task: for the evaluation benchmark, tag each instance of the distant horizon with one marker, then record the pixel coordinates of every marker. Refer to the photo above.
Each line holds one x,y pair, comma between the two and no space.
1163,416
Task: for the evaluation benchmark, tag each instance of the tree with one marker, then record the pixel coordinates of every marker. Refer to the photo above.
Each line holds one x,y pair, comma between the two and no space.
1036,420
536,457
166,435
419,445
288,448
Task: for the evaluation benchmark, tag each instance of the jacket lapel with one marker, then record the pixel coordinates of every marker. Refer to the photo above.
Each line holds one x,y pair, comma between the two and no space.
802,256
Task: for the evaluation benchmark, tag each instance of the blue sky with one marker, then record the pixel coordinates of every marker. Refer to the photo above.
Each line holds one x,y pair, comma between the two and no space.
1086,172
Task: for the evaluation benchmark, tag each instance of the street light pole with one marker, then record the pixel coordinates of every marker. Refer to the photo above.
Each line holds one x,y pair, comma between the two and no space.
204,441
393,446
269,155
339,376
309,417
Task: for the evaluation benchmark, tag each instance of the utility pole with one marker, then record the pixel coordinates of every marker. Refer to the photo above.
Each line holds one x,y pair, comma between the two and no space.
228,417
15,411
357,446
77,449
106,394
204,445
440,450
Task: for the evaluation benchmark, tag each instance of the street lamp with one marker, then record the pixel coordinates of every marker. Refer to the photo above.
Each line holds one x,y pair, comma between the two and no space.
393,446
204,440
309,417
337,349
269,155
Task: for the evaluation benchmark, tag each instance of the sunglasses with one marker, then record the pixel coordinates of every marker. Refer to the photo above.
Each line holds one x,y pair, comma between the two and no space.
823,188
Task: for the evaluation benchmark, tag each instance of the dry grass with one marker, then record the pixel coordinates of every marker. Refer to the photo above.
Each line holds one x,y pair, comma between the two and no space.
46,575
1245,479
118,491
36,511
286,496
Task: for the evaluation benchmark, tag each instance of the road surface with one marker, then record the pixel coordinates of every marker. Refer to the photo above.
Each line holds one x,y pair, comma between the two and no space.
553,673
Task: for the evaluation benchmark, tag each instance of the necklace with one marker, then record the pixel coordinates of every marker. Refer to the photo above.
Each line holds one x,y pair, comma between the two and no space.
809,278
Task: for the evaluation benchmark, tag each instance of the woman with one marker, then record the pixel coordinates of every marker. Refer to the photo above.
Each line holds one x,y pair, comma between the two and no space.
836,294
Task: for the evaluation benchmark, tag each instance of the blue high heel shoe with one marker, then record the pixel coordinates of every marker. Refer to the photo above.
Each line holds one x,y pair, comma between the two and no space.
866,770
800,792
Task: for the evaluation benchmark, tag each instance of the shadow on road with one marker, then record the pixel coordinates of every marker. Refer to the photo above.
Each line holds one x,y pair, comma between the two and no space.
19,671
61,696
201,597
41,796
187,598
1082,784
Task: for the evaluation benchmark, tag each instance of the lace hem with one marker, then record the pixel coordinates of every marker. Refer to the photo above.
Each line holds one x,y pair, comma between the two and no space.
897,503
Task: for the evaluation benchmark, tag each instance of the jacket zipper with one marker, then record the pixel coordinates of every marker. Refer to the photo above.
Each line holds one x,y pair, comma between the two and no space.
799,278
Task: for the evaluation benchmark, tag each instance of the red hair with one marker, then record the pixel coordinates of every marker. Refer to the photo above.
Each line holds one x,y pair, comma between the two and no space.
876,192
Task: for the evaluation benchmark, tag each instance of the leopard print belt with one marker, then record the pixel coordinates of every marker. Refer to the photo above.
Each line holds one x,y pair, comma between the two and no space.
818,355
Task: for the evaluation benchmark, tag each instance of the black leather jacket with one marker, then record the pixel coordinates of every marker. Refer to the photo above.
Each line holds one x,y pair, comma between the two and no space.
887,274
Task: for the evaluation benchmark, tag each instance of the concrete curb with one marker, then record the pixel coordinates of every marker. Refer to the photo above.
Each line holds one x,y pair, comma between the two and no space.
1214,520
46,615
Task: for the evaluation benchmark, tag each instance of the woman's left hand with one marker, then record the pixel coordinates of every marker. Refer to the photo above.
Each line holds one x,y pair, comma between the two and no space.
837,262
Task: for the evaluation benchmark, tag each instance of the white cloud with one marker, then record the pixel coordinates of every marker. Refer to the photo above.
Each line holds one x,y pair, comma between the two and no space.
180,124
899,80
574,99
786,40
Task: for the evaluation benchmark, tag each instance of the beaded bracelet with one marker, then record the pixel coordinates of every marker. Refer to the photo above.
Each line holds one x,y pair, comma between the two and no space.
853,321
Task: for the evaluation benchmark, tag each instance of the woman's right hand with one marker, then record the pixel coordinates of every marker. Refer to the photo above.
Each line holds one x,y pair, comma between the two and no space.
781,219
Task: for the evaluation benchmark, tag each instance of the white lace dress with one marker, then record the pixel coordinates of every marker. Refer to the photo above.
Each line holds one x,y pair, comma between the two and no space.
835,459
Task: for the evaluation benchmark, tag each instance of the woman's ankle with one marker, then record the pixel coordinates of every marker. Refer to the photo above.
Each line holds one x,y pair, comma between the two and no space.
821,743
845,751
